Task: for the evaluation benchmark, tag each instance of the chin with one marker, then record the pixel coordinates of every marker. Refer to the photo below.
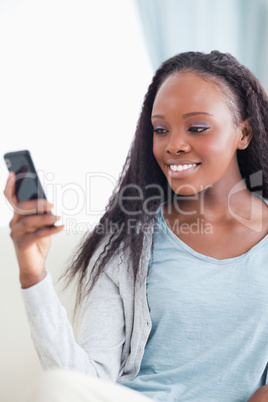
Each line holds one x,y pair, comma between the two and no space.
186,189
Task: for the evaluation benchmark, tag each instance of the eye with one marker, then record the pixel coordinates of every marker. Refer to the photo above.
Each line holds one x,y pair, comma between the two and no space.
197,129
160,131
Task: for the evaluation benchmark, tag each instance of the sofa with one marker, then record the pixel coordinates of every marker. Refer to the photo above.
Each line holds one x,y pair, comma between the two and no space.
19,361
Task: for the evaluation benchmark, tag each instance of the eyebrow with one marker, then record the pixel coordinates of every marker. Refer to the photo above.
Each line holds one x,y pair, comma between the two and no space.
195,113
159,116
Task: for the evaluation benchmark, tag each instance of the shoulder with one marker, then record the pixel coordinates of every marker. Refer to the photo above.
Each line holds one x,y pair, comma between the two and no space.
265,221
264,208
258,215
259,219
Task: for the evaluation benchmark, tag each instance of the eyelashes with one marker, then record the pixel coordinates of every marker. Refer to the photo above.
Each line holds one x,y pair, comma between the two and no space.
198,129
193,129
160,131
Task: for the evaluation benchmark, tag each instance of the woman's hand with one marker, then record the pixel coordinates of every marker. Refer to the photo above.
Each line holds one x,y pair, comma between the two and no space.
31,228
261,395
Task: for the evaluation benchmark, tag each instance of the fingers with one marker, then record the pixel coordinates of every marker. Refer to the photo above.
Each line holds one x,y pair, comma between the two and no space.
10,189
31,223
33,207
37,226
22,242
30,207
45,231
30,217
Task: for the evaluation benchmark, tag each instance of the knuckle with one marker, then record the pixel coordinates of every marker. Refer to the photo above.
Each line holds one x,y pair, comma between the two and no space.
12,223
13,236
50,218
23,222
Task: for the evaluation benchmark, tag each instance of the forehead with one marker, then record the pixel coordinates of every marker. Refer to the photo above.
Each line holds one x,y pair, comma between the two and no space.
189,92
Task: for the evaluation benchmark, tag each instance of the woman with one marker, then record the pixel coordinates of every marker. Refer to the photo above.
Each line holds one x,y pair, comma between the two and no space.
173,292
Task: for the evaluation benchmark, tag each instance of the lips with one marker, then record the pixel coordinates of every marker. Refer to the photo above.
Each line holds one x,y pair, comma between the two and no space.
180,168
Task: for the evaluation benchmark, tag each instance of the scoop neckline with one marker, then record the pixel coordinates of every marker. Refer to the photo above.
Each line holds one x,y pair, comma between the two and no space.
207,258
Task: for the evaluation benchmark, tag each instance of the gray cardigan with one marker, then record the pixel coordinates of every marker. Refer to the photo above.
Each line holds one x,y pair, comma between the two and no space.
114,323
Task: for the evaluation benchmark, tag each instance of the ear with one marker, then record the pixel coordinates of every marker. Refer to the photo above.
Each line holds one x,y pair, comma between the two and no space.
245,134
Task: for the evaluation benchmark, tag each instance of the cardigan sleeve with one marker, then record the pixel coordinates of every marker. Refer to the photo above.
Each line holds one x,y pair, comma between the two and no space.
101,335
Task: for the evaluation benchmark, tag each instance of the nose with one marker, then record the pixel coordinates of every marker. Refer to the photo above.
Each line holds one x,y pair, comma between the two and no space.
177,143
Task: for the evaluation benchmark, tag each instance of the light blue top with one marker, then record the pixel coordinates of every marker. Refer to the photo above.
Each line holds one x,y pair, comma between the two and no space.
209,337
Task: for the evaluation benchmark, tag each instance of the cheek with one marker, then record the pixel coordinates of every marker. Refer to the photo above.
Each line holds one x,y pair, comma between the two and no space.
216,148
157,149
208,149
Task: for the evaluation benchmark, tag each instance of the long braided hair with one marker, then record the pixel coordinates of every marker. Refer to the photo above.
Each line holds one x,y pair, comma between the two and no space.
142,187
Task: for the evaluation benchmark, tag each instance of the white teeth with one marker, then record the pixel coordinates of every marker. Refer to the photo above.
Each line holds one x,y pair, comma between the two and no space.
180,168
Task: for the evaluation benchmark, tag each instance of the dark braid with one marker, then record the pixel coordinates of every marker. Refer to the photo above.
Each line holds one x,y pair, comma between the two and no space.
141,170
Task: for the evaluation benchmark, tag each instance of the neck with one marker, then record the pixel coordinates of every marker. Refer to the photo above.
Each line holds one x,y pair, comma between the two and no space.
214,204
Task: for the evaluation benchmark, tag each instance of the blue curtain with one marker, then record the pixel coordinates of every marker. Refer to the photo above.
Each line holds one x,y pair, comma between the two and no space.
235,26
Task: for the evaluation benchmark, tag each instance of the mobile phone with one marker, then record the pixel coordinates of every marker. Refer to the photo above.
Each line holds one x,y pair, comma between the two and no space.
28,186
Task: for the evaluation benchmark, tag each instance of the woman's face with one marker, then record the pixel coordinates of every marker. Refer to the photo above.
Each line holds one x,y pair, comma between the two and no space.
195,137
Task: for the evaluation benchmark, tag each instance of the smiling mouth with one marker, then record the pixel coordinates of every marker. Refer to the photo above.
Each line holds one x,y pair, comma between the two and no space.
183,167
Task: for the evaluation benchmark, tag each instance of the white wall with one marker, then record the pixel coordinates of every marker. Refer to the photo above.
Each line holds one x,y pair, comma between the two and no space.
73,74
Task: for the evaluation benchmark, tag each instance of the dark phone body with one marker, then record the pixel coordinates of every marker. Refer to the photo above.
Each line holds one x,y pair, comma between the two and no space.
28,186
